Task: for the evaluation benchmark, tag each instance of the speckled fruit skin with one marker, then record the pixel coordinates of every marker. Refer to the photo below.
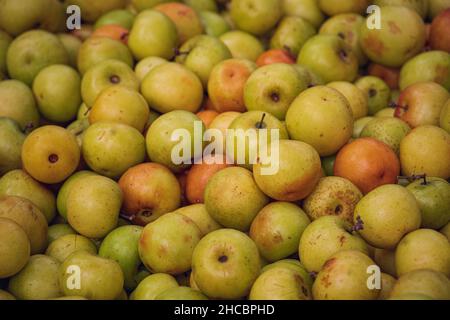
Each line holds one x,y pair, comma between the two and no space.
423,249
298,174
93,206
225,264
421,104
333,196
324,237
433,197
435,66
344,277
426,149
101,279
166,245
377,92
320,116
391,131
280,283
277,229
50,154
387,214
233,199
398,40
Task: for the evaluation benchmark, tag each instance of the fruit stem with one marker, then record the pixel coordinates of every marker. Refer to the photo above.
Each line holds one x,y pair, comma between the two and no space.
127,217
260,124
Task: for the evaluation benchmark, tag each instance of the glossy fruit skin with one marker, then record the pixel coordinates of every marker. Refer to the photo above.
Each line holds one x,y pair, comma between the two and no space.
322,117
166,245
93,206
32,51
171,86
21,184
150,190
104,75
427,283
29,218
275,56
38,280
387,213
121,245
199,176
225,264
153,285
377,91
50,154
333,196
298,174
280,283
11,140
159,142
347,26
58,100
64,246
426,149
260,19
226,84
98,49
421,104
330,57
323,238
18,104
203,53
390,131
161,42
435,66
367,163
185,18
423,249
398,40
111,148
233,199
344,277
122,105
14,248
273,88
101,279
277,229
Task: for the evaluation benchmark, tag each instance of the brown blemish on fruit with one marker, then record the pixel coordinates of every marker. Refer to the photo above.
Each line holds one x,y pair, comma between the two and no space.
393,27
442,73
326,280
342,240
374,44
330,263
